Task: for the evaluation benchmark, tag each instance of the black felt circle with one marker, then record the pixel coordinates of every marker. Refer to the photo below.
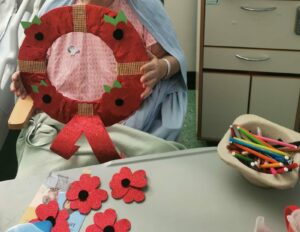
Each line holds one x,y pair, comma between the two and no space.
125,183
119,102
118,34
109,229
47,99
39,36
83,195
52,220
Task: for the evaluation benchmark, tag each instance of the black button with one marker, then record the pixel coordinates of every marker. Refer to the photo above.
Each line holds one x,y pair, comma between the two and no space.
119,102
125,183
83,195
52,220
118,34
47,99
109,229
39,36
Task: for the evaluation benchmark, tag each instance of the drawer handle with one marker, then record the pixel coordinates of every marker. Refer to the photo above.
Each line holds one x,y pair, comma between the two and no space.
256,9
252,59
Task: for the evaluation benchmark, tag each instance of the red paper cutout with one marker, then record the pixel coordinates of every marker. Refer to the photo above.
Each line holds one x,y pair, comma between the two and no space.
57,217
84,194
107,222
128,185
127,50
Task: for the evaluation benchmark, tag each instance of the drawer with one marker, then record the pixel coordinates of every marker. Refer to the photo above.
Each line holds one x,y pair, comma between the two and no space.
252,60
260,24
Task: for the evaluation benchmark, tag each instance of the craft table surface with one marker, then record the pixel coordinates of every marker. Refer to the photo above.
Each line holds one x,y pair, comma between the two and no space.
190,190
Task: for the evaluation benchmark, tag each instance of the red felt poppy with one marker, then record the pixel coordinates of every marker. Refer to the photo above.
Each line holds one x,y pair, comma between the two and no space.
57,217
128,185
85,194
121,101
107,222
47,96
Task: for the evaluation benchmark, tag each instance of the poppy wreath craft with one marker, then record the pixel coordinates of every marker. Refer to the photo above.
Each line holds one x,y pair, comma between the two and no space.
89,117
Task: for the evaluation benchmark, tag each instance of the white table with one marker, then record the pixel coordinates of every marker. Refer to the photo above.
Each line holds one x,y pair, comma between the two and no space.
191,190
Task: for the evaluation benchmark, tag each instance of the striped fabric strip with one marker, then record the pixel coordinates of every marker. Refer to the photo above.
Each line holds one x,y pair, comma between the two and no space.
85,109
79,18
130,68
32,66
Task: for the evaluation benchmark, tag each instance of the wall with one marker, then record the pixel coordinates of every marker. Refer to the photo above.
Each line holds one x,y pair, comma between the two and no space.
184,16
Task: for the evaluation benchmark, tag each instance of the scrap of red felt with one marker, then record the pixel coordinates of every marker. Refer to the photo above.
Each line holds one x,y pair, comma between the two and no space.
108,219
51,210
95,197
134,192
288,211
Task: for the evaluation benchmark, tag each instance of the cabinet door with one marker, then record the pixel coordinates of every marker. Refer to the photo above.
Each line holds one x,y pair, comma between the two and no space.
276,99
225,96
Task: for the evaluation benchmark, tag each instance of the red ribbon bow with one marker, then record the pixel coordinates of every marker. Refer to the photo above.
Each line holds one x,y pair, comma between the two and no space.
95,132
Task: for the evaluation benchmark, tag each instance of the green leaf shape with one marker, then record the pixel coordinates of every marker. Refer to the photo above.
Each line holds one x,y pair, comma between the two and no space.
107,88
36,20
26,25
117,84
43,83
121,17
35,88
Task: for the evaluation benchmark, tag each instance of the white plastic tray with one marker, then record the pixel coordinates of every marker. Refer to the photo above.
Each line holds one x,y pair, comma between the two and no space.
191,190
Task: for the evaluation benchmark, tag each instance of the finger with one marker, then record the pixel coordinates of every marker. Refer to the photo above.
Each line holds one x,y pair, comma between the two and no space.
17,84
146,93
12,87
147,77
148,66
15,76
23,91
150,83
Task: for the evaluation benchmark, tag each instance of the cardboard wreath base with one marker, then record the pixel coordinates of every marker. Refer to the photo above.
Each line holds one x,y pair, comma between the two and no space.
269,129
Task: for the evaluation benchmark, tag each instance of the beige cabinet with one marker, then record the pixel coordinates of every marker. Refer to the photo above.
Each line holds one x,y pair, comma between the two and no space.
249,63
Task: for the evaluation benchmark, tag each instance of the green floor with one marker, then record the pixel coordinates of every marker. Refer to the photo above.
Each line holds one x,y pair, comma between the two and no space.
188,135
8,162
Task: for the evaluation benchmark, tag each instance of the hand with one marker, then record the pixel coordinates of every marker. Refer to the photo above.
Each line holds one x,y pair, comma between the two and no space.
16,85
153,72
